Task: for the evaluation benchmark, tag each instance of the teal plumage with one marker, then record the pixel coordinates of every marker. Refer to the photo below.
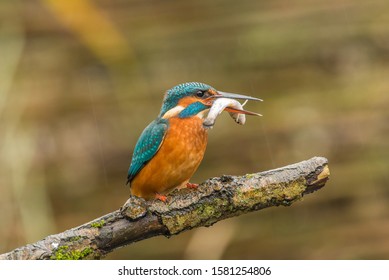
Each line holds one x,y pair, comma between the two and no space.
192,110
147,145
175,94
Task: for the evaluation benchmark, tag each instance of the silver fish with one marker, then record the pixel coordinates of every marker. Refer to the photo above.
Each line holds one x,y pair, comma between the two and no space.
234,108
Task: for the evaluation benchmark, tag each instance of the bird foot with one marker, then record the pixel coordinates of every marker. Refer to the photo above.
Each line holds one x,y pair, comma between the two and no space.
161,197
192,186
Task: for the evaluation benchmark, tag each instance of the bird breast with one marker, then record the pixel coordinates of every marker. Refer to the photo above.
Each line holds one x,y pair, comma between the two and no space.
177,159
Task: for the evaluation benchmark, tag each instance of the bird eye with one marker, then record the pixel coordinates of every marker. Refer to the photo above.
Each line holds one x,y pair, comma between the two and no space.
200,93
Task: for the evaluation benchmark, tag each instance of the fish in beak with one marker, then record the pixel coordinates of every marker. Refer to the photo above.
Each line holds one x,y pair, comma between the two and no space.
226,101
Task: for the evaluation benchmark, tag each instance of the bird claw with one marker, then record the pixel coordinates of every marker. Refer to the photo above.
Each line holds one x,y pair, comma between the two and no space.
161,197
192,185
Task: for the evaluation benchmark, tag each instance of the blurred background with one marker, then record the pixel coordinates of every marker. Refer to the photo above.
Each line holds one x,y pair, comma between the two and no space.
80,79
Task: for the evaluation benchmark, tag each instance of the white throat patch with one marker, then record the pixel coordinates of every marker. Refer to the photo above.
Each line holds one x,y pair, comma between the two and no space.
173,112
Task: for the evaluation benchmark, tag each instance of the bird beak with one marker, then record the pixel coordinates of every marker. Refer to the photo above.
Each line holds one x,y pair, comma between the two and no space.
221,94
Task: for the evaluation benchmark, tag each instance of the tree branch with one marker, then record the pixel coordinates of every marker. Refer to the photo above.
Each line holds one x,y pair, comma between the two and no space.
214,200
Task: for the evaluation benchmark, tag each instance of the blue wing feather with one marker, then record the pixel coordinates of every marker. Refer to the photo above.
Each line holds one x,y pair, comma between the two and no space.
147,146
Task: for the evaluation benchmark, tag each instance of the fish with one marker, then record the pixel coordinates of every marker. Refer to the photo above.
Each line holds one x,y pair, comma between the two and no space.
232,106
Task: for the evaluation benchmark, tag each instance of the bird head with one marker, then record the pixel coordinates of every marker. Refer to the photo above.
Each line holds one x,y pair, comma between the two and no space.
194,98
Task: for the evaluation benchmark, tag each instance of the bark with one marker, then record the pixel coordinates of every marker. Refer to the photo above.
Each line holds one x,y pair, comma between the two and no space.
214,200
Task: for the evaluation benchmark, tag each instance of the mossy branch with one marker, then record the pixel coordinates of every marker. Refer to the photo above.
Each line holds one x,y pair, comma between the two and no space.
214,200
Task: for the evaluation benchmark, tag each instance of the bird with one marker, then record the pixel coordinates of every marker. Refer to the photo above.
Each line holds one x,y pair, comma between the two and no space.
171,147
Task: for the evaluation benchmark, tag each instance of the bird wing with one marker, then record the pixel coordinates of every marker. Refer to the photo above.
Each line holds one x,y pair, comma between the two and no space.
147,146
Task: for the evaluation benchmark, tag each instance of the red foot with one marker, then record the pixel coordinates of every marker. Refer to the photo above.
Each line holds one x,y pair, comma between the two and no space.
192,186
161,197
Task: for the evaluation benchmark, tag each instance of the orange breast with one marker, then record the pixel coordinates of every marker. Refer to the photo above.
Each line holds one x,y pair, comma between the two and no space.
176,160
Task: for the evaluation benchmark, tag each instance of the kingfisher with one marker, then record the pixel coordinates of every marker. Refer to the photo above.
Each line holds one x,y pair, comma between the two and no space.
171,147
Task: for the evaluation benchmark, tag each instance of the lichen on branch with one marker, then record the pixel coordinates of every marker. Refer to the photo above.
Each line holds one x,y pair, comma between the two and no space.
214,200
